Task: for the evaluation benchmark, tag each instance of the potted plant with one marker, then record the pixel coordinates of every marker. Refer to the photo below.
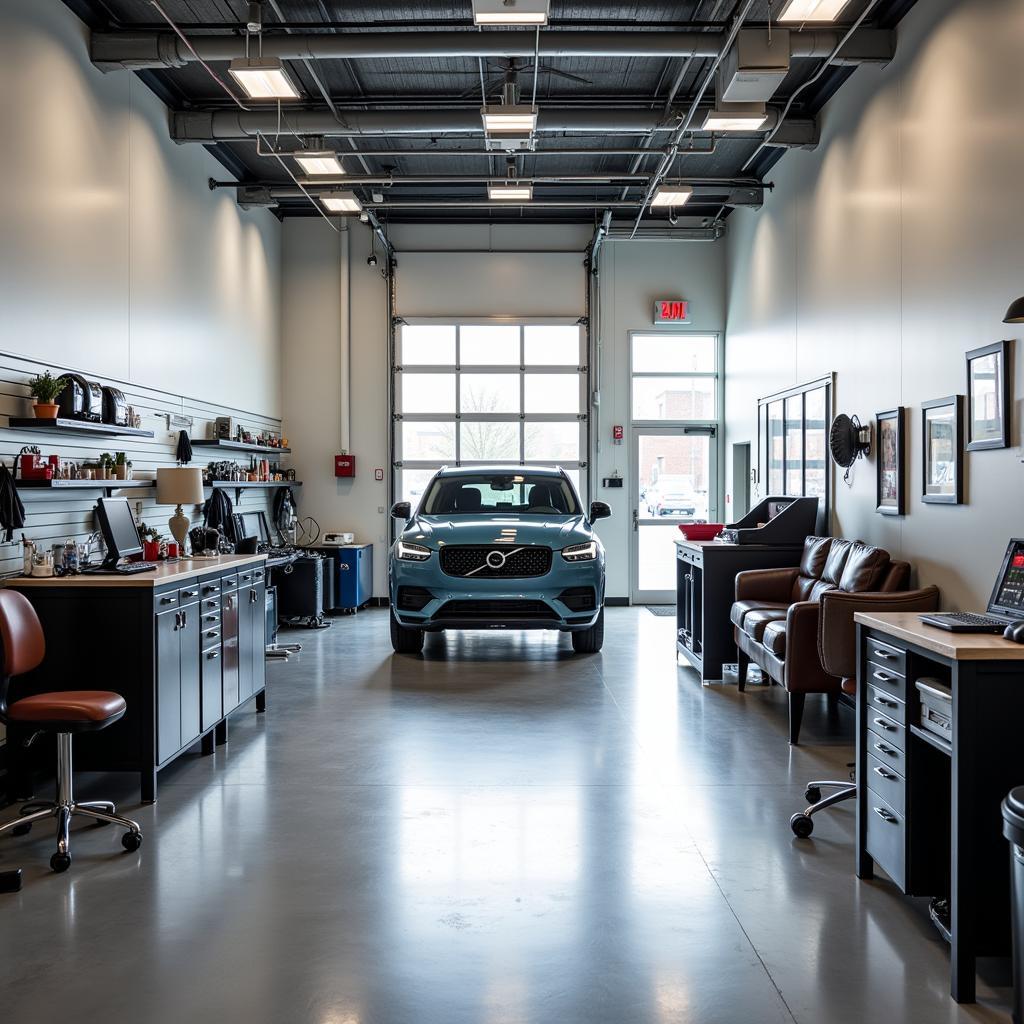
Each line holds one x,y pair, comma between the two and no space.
121,466
106,470
45,388
150,543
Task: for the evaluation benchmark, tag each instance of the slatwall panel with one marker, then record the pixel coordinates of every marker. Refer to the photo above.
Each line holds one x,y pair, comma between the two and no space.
52,515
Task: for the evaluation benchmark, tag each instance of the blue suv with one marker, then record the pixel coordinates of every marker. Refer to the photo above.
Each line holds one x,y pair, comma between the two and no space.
497,548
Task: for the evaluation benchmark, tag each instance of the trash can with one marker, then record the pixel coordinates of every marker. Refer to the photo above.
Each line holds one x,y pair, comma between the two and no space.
1013,829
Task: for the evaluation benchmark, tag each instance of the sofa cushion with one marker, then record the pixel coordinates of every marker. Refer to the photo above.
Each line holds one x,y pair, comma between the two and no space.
775,638
864,568
838,552
815,555
820,587
756,619
741,608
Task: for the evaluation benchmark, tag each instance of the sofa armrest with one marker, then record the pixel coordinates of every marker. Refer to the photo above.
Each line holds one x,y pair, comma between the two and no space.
837,636
765,584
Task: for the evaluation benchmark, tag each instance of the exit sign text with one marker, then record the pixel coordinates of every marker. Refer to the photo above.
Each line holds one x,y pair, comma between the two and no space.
671,311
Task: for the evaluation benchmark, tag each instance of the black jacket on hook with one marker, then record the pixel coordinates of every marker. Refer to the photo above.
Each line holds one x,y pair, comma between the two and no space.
12,511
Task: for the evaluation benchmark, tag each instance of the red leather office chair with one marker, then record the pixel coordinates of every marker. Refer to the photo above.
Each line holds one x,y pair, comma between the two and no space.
65,713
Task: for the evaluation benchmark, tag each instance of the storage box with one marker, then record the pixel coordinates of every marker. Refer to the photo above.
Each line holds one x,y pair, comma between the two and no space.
936,707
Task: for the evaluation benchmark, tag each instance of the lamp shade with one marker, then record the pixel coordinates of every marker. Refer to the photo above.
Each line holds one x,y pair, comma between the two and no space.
181,485
1015,314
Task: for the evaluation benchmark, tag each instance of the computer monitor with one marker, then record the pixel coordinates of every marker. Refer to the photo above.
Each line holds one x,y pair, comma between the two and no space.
1008,594
117,524
252,524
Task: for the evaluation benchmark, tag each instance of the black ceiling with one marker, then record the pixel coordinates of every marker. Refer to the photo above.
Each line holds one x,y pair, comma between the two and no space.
629,83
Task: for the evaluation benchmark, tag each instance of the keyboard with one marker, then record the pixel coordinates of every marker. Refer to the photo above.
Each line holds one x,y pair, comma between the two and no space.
126,569
966,622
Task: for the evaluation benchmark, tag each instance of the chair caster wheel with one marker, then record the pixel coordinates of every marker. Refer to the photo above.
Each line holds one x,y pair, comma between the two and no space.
60,862
131,841
22,830
801,825
812,794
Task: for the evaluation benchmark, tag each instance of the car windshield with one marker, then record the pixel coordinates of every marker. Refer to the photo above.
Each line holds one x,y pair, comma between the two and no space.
522,493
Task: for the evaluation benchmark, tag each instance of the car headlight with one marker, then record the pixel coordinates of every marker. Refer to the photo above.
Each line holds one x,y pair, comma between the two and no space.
412,552
581,552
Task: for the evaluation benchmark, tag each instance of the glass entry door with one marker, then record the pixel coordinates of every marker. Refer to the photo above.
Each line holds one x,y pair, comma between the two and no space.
674,481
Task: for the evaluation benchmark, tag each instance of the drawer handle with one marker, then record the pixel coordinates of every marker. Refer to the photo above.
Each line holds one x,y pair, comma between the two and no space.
246,577
883,724
213,655
190,593
167,600
886,815
885,749
212,632
885,654
883,677
884,774
211,590
885,702
211,618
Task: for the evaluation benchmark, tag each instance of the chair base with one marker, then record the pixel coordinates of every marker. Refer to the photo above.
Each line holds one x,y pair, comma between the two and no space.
64,808
802,822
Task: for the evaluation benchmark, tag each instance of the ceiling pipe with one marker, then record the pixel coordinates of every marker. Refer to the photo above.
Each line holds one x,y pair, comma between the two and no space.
578,151
210,126
334,181
135,51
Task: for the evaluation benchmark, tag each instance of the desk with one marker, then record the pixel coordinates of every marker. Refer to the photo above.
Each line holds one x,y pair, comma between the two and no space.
705,590
184,645
928,810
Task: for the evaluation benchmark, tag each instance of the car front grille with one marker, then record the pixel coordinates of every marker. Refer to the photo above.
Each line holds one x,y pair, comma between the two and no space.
487,610
518,563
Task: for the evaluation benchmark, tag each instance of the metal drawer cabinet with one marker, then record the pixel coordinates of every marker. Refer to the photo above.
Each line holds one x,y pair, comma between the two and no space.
887,837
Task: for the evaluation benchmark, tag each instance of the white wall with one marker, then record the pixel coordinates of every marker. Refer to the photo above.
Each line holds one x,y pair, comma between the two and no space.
886,254
461,270
114,255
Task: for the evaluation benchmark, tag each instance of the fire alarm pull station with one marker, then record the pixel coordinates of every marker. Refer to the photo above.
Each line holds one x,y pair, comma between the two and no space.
617,433
344,465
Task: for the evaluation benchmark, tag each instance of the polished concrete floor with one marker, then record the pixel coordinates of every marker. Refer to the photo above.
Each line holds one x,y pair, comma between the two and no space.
499,832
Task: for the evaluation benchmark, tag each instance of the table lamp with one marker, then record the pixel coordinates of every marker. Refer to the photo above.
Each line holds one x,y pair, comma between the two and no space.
182,485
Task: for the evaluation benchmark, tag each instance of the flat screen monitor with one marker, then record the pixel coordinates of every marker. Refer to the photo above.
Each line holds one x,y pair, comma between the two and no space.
253,524
117,524
1008,593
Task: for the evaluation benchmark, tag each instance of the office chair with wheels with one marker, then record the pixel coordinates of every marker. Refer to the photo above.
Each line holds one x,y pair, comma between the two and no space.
837,649
65,713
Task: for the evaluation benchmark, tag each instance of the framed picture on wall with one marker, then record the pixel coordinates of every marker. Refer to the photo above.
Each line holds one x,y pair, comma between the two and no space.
942,448
890,487
988,397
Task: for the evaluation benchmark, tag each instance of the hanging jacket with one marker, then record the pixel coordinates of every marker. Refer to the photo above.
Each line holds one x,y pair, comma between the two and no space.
12,511
217,513
184,451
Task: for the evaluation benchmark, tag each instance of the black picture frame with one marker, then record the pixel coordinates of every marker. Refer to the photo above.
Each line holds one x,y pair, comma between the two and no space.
953,492
890,431
1003,391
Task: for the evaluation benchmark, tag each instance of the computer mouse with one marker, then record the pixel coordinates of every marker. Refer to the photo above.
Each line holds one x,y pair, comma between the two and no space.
1015,632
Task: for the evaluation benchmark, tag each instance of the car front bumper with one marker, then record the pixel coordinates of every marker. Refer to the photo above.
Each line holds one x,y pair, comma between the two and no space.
553,601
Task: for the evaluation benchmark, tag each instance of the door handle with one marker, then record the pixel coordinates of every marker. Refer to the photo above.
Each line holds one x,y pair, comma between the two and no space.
184,619
885,815
177,620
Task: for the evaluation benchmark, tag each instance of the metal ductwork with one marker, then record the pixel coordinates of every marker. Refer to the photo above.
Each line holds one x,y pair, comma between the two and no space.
136,51
210,126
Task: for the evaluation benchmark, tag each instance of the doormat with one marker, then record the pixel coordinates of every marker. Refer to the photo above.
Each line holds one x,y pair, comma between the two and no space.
662,610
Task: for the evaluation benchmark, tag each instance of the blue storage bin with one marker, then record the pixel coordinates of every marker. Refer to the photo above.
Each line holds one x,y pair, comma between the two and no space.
354,581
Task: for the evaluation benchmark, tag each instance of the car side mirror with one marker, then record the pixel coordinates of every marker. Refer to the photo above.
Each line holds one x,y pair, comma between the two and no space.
401,510
599,510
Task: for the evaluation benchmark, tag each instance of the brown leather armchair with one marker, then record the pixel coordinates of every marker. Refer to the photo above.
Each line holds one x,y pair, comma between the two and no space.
778,613
837,648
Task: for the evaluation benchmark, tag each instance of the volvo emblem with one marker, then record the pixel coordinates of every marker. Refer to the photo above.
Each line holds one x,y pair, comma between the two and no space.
495,559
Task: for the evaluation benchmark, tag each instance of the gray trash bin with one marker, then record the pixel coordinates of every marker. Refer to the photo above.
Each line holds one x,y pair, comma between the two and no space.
1013,829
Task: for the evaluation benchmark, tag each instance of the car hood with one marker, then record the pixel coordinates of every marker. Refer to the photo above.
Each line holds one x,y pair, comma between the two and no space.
549,531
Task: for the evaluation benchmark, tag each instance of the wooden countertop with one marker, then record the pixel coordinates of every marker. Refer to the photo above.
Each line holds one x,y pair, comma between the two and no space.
180,571
956,646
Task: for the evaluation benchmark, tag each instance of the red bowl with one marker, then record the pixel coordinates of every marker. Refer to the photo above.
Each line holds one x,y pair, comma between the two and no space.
701,531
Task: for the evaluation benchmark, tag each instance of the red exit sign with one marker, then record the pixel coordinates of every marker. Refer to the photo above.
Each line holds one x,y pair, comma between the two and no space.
671,311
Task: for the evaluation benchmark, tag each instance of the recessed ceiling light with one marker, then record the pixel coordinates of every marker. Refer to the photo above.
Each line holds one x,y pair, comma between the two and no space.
509,119
812,10
509,191
322,162
725,119
263,78
341,202
672,195
510,12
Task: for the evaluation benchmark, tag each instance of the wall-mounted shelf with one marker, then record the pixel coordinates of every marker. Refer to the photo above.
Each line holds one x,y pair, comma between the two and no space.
245,485
238,446
107,486
59,426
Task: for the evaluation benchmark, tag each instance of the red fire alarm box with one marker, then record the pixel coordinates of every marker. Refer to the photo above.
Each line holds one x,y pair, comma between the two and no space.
344,465
616,433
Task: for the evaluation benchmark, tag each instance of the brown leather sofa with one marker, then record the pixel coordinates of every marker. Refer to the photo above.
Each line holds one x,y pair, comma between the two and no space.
778,613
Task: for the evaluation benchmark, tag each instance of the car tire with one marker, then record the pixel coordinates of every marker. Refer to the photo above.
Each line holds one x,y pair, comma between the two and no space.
403,640
590,641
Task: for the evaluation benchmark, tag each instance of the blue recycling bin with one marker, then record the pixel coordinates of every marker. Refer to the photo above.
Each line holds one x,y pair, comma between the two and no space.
354,580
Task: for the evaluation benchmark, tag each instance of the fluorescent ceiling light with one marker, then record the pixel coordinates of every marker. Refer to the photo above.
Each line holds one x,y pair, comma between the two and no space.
314,163
724,119
509,191
509,119
263,78
812,10
672,195
341,202
510,12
